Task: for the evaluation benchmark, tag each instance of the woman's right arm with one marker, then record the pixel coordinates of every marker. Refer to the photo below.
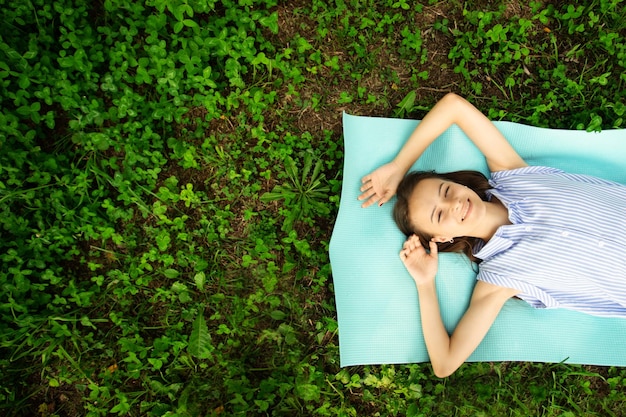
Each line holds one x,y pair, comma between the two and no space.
381,184
447,352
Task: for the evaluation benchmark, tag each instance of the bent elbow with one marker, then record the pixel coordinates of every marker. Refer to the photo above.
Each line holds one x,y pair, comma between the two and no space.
453,98
453,102
444,370
439,373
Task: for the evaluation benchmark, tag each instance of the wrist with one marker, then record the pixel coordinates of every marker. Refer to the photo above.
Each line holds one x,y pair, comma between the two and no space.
401,165
424,285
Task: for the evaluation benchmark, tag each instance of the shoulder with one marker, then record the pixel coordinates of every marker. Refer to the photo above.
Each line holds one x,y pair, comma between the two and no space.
485,291
527,170
542,174
487,299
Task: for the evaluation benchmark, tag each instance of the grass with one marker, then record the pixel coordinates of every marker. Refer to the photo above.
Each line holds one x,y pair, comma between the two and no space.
169,177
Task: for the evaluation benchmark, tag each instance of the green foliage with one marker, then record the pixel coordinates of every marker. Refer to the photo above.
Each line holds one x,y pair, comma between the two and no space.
303,196
169,177
407,105
551,60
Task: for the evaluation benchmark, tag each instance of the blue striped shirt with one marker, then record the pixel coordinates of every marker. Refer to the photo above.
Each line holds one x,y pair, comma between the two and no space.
566,246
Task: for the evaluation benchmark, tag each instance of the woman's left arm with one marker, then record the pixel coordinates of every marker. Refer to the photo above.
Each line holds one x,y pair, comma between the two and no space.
446,352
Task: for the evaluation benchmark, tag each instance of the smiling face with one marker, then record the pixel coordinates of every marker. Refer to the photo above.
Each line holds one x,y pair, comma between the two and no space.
445,209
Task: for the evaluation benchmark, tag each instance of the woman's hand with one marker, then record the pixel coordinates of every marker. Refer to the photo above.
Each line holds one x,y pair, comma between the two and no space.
421,265
381,184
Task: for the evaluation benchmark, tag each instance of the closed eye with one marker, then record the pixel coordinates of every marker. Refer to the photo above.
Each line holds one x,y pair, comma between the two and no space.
445,195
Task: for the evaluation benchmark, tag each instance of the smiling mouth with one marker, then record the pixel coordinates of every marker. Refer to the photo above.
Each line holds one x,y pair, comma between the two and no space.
466,211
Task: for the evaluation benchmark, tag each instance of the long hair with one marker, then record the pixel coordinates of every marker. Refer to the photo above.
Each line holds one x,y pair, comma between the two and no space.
471,179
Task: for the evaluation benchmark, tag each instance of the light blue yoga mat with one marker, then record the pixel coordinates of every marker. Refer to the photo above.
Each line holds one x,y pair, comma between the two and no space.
376,299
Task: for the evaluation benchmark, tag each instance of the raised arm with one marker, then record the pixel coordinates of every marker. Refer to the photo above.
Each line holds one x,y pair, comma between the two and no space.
447,352
381,184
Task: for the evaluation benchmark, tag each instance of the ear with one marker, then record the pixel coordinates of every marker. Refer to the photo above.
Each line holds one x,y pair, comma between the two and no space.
441,239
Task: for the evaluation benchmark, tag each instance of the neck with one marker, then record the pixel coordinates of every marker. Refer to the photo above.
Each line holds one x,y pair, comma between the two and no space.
497,215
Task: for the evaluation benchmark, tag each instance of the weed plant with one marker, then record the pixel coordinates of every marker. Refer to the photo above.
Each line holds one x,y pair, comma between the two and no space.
169,177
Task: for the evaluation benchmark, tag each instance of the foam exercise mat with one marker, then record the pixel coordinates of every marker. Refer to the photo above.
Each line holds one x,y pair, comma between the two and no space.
377,304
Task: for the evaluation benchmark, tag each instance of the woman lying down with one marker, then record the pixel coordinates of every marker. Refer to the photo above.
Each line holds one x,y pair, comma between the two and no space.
538,233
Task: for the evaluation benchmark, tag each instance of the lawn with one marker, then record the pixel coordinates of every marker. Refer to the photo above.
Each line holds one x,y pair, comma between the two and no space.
170,173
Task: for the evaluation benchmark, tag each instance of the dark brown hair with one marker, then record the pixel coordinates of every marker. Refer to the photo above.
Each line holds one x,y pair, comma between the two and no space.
471,179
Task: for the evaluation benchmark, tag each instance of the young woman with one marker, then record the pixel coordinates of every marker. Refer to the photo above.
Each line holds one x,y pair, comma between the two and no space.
550,238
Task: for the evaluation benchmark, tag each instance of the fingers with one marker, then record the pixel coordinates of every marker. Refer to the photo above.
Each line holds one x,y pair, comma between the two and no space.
410,246
366,193
374,193
413,242
414,245
384,200
368,203
367,185
370,198
369,194
434,249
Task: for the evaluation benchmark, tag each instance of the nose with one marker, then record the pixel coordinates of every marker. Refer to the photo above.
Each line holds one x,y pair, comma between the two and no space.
453,205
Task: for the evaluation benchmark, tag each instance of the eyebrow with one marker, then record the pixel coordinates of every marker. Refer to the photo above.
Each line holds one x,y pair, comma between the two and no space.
434,208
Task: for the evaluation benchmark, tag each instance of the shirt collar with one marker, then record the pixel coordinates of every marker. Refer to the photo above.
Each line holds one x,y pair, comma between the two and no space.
496,244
